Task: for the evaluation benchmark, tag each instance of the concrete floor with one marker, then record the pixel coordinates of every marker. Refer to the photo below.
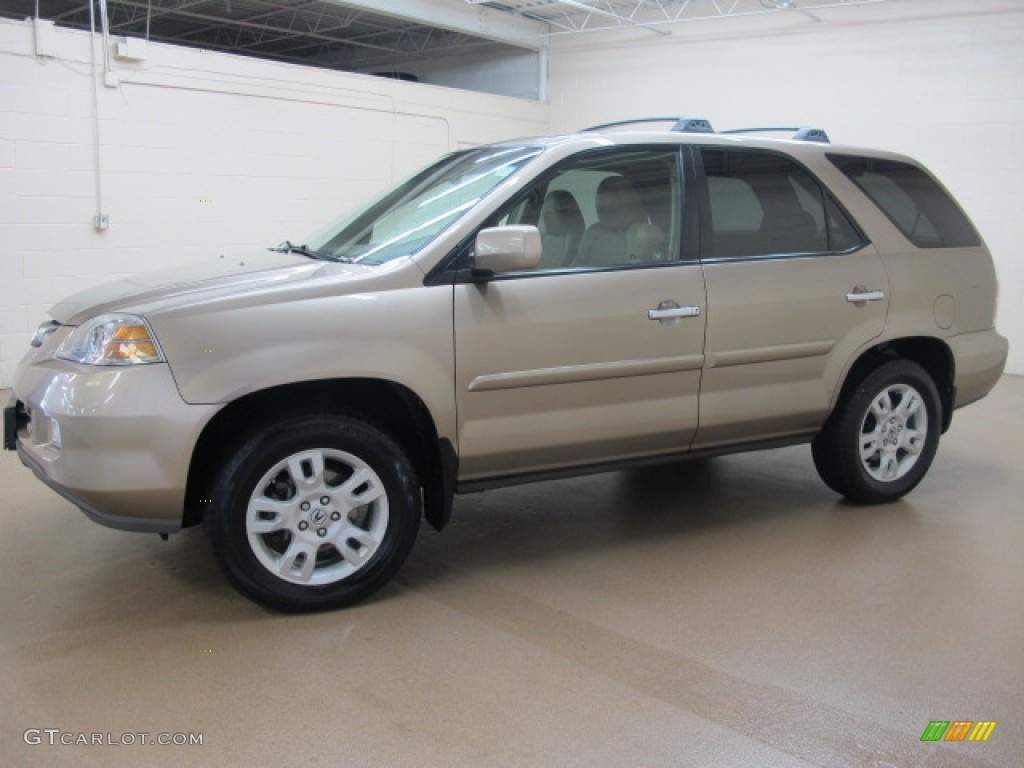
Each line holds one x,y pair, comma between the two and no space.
731,612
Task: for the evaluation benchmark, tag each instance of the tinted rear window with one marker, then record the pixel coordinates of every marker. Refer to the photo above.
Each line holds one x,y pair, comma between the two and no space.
765,204
912,200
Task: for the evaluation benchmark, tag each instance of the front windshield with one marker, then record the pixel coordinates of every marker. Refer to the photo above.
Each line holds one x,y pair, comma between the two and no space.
414,213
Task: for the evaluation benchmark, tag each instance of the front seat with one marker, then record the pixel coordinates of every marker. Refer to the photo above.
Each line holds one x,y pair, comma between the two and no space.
561,227
619,207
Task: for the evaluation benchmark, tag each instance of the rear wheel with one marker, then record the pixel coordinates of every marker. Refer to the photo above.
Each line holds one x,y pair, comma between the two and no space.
881,439
314,513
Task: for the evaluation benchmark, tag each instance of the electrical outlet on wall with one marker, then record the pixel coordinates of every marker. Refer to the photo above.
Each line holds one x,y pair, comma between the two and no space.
101,221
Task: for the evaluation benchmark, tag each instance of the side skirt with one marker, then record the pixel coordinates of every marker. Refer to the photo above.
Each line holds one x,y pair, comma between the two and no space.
503,481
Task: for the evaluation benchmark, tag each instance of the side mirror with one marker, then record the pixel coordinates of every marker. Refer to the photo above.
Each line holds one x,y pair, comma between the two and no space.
506,249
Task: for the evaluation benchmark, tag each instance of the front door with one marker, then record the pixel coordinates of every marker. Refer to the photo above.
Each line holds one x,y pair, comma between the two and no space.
596,356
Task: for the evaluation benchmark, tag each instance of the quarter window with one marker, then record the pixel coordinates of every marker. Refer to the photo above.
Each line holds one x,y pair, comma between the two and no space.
764,204
912,200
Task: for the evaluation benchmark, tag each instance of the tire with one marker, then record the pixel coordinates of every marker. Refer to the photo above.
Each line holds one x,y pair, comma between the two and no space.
880,441
314,513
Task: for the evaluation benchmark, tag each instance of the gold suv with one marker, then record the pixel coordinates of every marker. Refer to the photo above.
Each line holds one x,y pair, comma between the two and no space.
516,312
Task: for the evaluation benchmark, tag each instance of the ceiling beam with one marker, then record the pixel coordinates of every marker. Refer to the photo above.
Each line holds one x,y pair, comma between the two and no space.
220,22
458,16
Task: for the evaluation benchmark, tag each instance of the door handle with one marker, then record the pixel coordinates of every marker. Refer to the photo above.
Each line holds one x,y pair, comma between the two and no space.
669,312
861,295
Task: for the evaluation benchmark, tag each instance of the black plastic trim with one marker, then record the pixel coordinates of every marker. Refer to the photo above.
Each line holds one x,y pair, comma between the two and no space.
693,179
439,496
444,272
782,256
472,276
947,413
503,481
14,418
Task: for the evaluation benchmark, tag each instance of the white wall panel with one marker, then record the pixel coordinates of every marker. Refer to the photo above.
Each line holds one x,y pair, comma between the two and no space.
200,153
505,71
940,81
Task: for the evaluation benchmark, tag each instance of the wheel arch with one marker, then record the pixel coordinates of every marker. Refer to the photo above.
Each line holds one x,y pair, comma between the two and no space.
932,354
390,406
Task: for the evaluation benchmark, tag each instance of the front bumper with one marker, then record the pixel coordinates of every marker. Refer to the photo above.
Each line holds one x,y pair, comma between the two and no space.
116,442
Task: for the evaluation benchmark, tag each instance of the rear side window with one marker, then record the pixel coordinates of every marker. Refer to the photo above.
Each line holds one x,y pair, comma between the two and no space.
765,204
912,200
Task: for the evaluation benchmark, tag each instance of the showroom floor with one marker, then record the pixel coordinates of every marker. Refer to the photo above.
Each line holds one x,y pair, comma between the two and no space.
730,612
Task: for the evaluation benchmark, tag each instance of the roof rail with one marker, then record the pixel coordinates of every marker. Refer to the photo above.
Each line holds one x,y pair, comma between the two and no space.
681,124
700,125
802,133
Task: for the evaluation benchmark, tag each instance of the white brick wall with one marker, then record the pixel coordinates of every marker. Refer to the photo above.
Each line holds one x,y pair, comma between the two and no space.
200,153
940,81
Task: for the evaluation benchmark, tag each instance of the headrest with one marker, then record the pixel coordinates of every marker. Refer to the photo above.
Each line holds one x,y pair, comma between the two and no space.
618,204
561,213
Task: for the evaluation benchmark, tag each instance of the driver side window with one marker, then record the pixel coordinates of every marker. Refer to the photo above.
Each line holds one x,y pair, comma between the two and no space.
605,209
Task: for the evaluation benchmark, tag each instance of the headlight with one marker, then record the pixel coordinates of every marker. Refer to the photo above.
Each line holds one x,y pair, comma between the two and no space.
112,340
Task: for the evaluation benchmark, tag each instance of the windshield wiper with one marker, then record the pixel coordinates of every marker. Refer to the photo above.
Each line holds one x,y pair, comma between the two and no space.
289,247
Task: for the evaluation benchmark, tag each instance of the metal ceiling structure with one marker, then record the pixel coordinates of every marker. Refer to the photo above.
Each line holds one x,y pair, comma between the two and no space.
575,16
383,35
314,32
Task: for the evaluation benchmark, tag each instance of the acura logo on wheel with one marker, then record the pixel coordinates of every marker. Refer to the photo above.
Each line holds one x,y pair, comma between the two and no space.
318,515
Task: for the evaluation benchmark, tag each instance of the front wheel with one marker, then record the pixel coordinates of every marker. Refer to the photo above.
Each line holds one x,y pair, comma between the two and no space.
314,513
881,439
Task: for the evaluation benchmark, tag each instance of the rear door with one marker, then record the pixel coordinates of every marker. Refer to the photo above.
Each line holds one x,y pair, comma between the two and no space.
794,290
596,356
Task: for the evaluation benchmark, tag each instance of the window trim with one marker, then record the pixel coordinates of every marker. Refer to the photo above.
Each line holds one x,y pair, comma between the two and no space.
464,275
703,195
